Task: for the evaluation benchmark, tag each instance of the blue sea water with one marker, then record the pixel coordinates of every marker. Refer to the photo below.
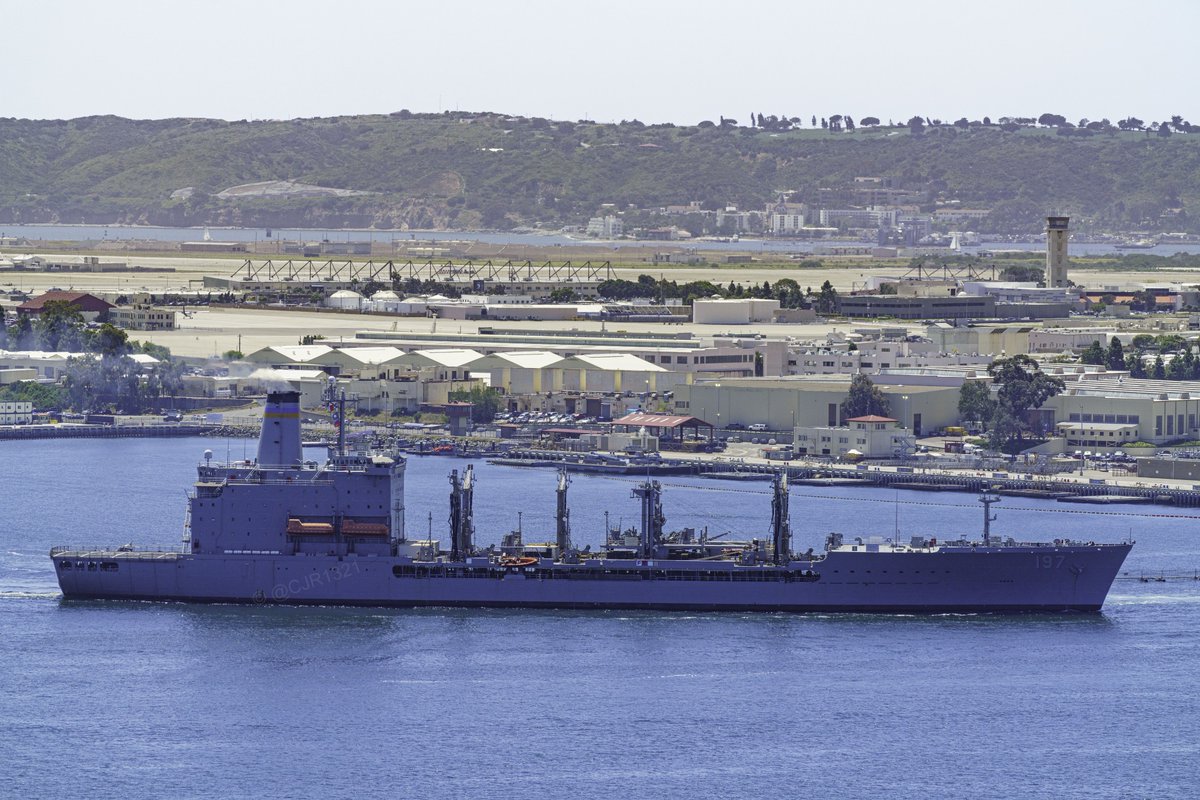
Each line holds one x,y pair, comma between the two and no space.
146,700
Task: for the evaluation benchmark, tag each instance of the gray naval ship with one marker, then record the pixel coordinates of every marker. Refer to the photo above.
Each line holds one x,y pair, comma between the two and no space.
282,530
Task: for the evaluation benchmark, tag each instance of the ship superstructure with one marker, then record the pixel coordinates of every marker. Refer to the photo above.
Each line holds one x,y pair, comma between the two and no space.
280,529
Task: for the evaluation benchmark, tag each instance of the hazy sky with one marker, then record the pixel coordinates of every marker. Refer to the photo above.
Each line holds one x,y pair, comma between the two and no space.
608,60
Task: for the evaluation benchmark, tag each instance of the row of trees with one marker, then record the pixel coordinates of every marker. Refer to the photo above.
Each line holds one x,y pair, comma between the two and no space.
786,290
485,401
1181,364
103,378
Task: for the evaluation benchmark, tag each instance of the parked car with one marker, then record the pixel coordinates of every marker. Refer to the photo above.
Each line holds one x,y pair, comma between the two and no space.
758,426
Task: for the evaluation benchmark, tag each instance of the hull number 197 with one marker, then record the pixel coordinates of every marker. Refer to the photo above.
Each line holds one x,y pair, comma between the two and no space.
1049,562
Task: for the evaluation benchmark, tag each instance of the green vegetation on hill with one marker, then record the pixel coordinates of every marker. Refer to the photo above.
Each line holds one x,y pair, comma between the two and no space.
465,170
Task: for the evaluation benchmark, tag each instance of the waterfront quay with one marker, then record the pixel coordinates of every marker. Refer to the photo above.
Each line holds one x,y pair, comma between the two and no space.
86,431
1063,487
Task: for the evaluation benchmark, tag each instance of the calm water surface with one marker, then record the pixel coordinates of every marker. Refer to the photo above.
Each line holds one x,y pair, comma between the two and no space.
141,700
540,239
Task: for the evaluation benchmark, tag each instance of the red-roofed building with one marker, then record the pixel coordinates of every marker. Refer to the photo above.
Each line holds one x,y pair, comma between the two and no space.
90,306
664,426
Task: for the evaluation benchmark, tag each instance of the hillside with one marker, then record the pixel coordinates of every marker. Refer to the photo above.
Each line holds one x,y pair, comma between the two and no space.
490,171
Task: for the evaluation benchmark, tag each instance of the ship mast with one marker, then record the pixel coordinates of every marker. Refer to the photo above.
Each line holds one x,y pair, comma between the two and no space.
781,530
462,522
563,515
987,499
341,428
650,494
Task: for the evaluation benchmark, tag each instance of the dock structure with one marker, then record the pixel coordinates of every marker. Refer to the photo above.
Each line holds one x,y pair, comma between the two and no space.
1019,484
101,431
1095,492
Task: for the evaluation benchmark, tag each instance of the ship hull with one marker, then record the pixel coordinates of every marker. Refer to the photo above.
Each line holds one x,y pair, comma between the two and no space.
957,579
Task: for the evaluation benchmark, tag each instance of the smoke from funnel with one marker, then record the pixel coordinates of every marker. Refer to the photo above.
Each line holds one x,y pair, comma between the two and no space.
273,380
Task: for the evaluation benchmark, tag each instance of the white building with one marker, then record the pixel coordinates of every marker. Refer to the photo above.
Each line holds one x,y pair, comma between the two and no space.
345,300
1058,340
142,317
1013,292
386,301
288,355
955,215
518,372
612,372
784,224
738,221
49,365
1102,406
857,217
734,312
862,437
873,357
373,362
608,227
16,413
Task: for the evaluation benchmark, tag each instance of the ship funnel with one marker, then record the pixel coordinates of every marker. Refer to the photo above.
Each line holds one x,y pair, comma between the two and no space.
279,444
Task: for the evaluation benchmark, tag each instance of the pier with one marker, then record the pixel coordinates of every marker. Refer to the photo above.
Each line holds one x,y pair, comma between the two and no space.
1061,487
103,431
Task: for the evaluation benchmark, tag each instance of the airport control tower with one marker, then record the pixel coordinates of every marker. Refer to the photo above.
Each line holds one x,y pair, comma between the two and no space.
1056,251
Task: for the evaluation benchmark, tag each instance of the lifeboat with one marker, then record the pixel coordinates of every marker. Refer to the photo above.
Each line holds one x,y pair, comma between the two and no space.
300,528
354,528
518,561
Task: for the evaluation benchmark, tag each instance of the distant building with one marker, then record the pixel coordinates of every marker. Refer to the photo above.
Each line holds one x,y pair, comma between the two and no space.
862,437
857,217
786,218
790,402
45,365
954,215
213,247
738,221
345,300
84,264
899,307
142,317
734,312
1110,409
1057,234
90,306
607,227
